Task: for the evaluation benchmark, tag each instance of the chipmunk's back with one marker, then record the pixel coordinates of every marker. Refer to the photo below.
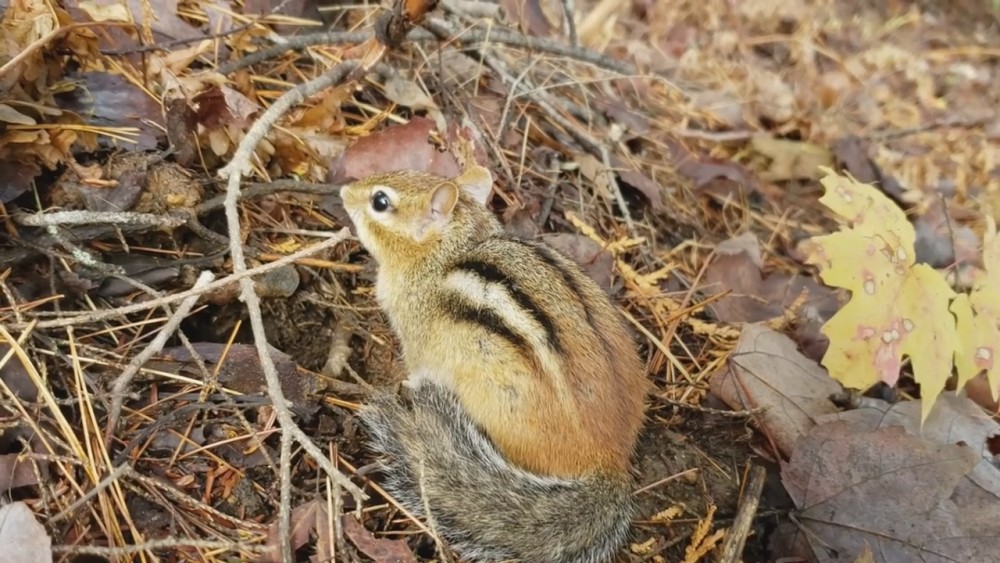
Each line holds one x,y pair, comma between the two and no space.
562,393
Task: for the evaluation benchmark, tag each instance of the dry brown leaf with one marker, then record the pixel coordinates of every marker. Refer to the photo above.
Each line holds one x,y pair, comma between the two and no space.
628,177
302,522
595,171
887,487
410,147
109,100
722,108
11,115
222,105
408,93
766,370
789,160
241,370
723,179
379,550
16,178
737,267
851,153
942,242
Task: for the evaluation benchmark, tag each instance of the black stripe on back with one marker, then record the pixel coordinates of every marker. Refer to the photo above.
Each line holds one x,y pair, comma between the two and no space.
492,274
548,255
462,310
551,257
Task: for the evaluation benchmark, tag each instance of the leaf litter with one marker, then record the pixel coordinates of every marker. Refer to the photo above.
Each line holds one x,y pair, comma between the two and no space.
687,184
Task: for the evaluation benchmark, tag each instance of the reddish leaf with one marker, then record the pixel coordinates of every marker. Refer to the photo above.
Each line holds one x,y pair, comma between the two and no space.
410,147
302,522
222,105
737,268
379,550
721,178
241,370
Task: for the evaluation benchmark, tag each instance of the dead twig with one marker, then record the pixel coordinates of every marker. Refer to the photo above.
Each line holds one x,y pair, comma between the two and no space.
122,381
81,217
96,316
732,546
545,102
239,165
470,37
116,553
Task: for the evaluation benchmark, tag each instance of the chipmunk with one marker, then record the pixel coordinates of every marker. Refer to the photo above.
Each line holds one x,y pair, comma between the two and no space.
527,388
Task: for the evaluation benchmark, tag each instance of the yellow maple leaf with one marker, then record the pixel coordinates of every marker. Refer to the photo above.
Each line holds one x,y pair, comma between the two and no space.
898,308
978,318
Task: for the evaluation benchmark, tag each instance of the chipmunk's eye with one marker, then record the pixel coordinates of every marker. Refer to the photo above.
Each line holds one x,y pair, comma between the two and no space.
380,202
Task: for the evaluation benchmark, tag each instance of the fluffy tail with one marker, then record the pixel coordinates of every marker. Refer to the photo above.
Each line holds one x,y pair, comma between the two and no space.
440,465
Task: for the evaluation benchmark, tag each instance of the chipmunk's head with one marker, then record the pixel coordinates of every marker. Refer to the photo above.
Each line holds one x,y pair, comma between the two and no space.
401,215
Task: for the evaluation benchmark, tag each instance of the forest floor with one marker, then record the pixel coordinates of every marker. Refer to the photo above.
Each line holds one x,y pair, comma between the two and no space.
148,164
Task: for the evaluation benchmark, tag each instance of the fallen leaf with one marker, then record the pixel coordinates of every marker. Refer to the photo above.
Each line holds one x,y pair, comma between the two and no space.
954,420
723,179
410,149
851,154
15,376
241,370
774,99
11,115
379,550
303,521
22,538
594,171
408,93
978,318
109,100
224,106
888,488
942,242
15,472
629,177
634,123
163,20
766,370
722,108
737,267
16,178
105,12
897,308
789,160
119,191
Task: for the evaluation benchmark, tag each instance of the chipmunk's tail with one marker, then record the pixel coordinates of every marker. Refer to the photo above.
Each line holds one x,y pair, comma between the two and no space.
438,464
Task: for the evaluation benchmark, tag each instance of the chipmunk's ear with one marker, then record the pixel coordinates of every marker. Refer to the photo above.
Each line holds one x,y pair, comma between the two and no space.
477,182
436,209
442,201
